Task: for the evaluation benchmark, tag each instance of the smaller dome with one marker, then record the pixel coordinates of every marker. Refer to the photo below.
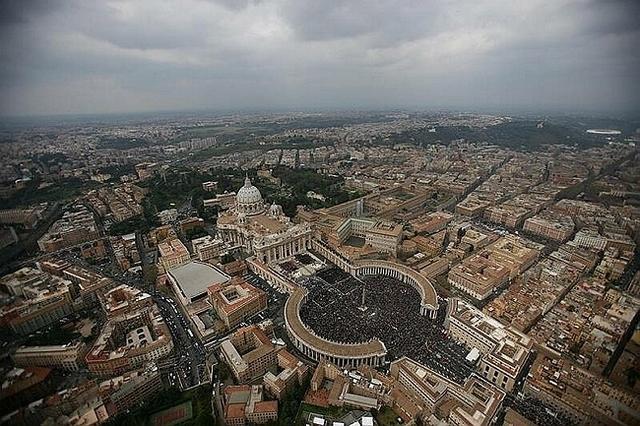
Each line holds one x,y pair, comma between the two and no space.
275,210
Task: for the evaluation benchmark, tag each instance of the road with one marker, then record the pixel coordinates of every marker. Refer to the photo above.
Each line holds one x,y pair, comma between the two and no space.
142,252
218,402
275,301
189,353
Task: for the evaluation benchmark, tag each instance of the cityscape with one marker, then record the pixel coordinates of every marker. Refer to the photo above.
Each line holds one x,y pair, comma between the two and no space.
347,264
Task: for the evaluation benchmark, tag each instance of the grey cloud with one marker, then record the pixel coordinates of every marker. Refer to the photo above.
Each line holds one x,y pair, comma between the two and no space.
80,56
394,21
234,4
613,16
100,21
23,11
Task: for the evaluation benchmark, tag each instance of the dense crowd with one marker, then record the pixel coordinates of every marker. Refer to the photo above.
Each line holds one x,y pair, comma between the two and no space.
334,310
305,259
537,411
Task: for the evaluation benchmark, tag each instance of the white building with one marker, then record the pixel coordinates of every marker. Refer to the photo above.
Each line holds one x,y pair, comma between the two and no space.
207,247
504,349
66,357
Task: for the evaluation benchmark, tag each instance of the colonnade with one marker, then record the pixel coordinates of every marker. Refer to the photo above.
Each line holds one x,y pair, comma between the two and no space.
344,355
340,361
429,302
283,250
275,280
331,255
428,295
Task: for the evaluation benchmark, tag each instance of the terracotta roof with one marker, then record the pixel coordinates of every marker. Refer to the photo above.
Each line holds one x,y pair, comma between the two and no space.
234,411
266,407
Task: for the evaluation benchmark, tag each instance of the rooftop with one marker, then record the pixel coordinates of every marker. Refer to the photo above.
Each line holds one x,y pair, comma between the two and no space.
195,277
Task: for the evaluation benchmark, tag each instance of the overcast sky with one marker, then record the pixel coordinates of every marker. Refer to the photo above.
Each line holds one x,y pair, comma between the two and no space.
84,56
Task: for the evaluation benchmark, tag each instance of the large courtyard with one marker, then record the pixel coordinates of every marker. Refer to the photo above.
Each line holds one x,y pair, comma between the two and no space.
391,312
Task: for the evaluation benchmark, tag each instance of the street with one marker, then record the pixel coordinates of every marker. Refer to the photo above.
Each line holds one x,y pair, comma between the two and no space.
189,353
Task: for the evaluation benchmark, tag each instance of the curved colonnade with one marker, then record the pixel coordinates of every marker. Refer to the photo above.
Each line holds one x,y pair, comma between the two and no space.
372,352
315,347
428,295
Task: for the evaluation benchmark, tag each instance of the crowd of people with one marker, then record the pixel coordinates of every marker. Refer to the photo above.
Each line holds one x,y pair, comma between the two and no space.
391,312
537,411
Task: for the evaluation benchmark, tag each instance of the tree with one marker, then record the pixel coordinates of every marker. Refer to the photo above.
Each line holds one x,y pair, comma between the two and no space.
291,401
150,275
194,233
223,372
204,419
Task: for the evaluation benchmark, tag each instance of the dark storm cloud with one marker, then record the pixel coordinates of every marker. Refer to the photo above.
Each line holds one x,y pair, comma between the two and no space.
614,16
23,11
126,55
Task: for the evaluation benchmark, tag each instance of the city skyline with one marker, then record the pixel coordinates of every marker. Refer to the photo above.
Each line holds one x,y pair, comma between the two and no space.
391,267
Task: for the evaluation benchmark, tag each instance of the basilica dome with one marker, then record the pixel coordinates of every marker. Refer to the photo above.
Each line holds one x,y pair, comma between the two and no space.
249,200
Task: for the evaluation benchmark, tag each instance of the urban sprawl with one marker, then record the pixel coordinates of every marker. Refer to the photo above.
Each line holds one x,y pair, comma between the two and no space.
319,269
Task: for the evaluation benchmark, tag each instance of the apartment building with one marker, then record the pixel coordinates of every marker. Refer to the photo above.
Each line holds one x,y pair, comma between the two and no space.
42,300
478,276
128,341
555,227
504,350
172,254
293,373
258,354
131,389
76,226
207,248
245,404
420,389
236,301
65,357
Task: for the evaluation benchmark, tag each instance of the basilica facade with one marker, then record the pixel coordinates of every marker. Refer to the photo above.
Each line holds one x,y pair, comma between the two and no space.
262,230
